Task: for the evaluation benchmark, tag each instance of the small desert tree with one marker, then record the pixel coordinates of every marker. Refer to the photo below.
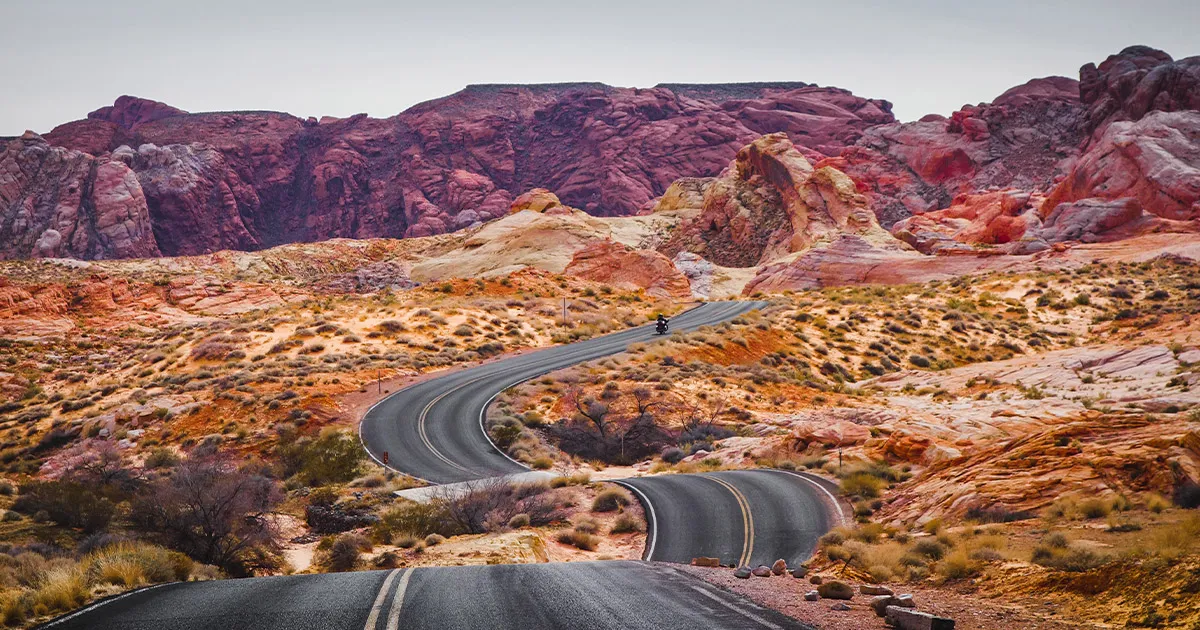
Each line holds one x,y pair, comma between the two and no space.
214,511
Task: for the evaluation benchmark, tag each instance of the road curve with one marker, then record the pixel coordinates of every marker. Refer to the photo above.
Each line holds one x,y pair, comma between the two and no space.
433,431
583,595
743,517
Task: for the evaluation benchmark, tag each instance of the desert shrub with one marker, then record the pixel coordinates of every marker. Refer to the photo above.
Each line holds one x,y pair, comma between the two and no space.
672,455
131,564
930,548
626,524
62,588
918,360
344,554
862,484
332,457
415,519
161,457
1157,503
434,539
215,512
610,500
581,479
1073,558
587,526
66,503
833,538
1095,508
578,539
212,350
958,565
518,521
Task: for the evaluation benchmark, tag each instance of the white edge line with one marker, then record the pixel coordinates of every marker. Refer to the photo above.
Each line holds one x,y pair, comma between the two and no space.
703,590
103,602
837,505
652,535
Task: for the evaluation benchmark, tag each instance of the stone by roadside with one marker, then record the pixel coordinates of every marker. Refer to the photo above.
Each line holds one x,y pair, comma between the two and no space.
787,596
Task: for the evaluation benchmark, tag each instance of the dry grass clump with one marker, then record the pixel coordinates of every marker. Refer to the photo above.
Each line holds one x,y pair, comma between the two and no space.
610,500
578,539
33,586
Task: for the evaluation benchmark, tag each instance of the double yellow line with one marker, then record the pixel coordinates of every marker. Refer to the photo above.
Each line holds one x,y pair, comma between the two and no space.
425,414
747,520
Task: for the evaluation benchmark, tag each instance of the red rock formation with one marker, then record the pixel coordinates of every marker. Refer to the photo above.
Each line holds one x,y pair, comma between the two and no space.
130,111
449,163
1138,80
1141,165
618,265
997,218
852,260
768,203
1020,140
58,202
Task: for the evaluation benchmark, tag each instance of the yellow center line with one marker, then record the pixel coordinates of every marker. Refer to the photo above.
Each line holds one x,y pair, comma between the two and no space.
747,521
425,413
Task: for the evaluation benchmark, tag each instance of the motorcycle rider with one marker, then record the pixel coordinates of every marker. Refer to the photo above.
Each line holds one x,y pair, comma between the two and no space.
661,325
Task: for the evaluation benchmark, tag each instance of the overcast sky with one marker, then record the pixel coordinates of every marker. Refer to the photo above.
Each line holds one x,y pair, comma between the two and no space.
60,59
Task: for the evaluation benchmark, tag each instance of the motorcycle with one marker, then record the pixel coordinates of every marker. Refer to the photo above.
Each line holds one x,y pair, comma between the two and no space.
661,327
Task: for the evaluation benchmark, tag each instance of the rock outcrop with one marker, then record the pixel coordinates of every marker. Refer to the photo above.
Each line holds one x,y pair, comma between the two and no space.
1137,171
58,202
771,202
1024,139
619,265
248,180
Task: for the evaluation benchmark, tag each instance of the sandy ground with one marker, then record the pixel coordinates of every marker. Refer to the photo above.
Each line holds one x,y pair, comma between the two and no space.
786,594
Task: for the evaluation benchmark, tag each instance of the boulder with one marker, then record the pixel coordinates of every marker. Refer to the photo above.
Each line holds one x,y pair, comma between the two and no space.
779,567
743,573
703,561
812,596
908,619
836,590
762,571
816,579
799,572
537,199
880,604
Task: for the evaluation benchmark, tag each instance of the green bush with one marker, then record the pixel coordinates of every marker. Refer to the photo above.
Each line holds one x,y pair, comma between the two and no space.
332,457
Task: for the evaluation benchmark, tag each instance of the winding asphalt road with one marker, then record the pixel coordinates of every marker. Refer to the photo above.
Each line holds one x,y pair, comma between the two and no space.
433,430
573,596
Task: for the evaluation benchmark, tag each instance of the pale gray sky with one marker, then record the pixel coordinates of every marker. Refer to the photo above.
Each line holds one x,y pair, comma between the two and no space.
60,59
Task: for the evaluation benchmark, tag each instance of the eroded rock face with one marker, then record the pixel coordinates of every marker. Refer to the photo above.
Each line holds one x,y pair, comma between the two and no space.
247,180
771,202
1021,140
1153,163
57,202
1138,80
619,265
